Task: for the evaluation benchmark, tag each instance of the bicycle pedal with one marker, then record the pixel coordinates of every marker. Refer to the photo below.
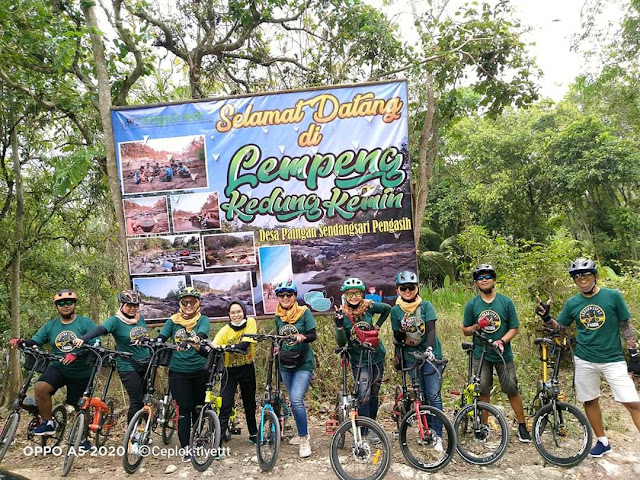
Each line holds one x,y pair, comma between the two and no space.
331,426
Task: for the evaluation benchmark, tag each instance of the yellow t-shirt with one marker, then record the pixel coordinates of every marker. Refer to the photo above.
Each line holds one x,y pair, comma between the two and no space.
229,336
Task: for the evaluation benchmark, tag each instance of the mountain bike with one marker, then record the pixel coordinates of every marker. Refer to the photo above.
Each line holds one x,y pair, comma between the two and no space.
561,432
36,360
95,414
274,411
155,412
481,429
365,457
343,401
420,442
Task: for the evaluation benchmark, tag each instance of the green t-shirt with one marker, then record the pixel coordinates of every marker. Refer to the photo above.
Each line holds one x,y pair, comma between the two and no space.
305,323
61,336
414,327
187,361
124,334
597,321
364,322
502,312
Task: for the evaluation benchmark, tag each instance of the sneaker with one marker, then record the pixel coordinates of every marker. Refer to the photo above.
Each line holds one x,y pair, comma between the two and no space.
226,436
253,439
296,440
437,445
186,456
85,446
45,429
373,438
523,435
600,449
305,447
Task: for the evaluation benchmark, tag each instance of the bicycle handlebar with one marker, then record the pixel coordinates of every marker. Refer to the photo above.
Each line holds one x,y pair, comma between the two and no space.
105,352
261,337
487,341
37,352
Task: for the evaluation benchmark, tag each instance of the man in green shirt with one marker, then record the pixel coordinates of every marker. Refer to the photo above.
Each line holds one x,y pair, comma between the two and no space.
601,317
60,333
495,315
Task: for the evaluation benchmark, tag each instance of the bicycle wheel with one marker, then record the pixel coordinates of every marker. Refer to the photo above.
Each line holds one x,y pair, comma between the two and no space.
205,440
362,459
268,444
8,433
136,436
341,415
479,441
427,441
106,422
60,417
562,436
170,421
73,442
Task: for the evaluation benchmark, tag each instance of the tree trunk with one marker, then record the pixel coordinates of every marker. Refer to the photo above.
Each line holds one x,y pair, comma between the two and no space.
426,156
15,372
104,97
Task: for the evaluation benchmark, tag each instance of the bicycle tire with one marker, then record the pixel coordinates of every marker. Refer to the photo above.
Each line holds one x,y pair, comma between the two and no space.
341,416
362,454
170,424
129,449
574,427
60,416
470,432
8,433
102,433
427,451
205,438
73,442
268,440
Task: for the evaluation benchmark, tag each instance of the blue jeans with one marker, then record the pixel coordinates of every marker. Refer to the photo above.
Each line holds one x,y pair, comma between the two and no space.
369,397
430,382
297,383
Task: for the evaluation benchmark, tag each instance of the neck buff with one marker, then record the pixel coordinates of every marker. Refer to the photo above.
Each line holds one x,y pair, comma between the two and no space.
128,319
358,311
291,315
409,307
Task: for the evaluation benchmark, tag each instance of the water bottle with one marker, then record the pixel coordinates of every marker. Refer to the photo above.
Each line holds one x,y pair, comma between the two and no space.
97,342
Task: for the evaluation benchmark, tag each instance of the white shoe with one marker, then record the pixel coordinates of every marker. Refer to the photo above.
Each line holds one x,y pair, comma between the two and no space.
305,447
296,440
437,445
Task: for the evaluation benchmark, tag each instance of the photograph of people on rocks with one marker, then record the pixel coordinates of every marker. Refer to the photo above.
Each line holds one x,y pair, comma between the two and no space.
275,267
229,249
146,215
165,254
195,211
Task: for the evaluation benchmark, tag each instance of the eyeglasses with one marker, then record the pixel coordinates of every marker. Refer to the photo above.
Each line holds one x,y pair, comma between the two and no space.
405,288
583,275
487,276
132,305
65,303
235,314
285,295
188,303
354,294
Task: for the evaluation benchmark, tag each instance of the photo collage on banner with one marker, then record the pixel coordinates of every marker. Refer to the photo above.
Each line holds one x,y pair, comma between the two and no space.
235,195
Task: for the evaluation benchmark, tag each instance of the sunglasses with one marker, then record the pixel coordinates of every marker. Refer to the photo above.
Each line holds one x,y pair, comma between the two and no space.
487,276
407,288
188,303
583,275
285,295
65,303
354,294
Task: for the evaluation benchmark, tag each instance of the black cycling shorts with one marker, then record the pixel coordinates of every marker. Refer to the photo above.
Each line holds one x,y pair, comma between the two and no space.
55,378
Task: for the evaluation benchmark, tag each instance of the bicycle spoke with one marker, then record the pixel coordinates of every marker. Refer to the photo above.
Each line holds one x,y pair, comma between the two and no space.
562,435
427,441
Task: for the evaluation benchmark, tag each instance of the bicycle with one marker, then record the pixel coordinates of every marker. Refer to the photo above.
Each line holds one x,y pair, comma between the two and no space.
154,413
561,432
36,360
481,429
366,460
95,414
420,443
275,410
343,400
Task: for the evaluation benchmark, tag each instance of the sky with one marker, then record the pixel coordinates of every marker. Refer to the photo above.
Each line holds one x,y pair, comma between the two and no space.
158,287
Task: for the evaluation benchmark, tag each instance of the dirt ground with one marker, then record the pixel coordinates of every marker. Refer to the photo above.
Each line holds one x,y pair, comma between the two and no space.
520,462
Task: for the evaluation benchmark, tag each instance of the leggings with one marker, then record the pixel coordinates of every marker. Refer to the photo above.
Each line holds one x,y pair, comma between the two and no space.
245,376
188,390
133,384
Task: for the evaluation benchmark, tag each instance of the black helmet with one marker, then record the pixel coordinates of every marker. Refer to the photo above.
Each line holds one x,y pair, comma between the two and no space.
484,268
582,265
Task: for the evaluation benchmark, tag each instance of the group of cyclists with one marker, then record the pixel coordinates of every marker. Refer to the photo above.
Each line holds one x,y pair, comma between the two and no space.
600,316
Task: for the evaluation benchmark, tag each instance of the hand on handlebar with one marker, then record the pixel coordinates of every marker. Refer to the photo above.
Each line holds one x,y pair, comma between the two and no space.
499,345
430,355
77,342
16,342
299,338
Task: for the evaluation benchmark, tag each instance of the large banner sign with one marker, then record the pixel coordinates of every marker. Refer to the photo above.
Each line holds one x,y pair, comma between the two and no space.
234,195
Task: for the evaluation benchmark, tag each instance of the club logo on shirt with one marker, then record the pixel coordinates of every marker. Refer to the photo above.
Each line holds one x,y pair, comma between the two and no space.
413,327
182,334
63,341
138,332
592,317
289,330
494,318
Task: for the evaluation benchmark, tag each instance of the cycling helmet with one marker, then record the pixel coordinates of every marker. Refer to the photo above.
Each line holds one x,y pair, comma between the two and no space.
65,295
406,277
582,265
286,286
352,283
188,292
484,268
129,296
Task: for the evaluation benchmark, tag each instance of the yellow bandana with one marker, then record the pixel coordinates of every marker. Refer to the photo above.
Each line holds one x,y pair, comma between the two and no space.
408,307
188,323
292,315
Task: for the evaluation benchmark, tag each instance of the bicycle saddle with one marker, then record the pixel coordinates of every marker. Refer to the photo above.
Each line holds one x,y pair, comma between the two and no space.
546,341
467,346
